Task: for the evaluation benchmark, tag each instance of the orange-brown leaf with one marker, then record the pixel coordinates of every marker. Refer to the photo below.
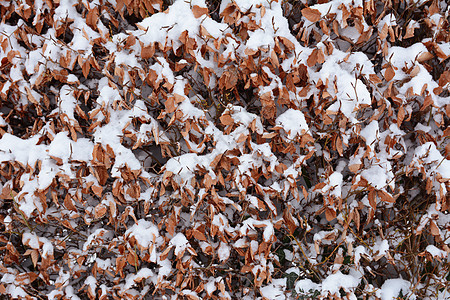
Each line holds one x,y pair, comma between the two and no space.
433,228
389,73
330,214
311,14
199,11
148,51
68,203
30,96
226,120
92,17
374,78
100,211
97,190
86,68
339,147
426,102
312,59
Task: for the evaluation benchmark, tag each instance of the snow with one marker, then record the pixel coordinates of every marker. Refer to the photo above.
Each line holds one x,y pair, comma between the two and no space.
91,282
70,293
220,221
436,252
377,176
389,20
132,279
67,101
293,122
223,251
334,282
147,236
36,242
381,247
274,290
26,152
306,285
210,286
107,96
183,166
371,133
111,133
66,149
332,7
429,154
399,56
8,278
359,251
16,292
241,243
260,179
391,289
98,233
335,184
168,24
31,239
351,93
251,224
180,243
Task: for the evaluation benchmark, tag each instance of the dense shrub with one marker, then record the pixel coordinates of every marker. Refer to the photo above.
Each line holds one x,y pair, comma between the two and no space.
224,149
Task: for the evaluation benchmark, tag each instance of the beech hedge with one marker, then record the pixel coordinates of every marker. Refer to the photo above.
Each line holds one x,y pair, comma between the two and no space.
235,149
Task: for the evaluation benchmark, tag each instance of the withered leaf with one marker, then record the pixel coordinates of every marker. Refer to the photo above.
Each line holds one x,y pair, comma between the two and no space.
100,211
434,229
199,11
311,14
428,100
30,95
92,17
389,73
226,120
147,51
97,190
68,203
86,66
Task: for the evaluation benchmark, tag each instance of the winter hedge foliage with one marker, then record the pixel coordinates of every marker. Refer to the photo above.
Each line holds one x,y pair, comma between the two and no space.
235,149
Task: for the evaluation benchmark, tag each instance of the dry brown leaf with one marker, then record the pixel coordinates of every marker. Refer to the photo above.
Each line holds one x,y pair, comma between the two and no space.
100,211
30,96
434,229
372,199
147,51
339,147
424,57
409,31
92,17
4,44
384,32
385,196
354,168
34,256
226,120
312,59
199,235
130,41
287,43
389,73
68,203
86,66
400,115
427,102
311,14
274,59
97,190
199,11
